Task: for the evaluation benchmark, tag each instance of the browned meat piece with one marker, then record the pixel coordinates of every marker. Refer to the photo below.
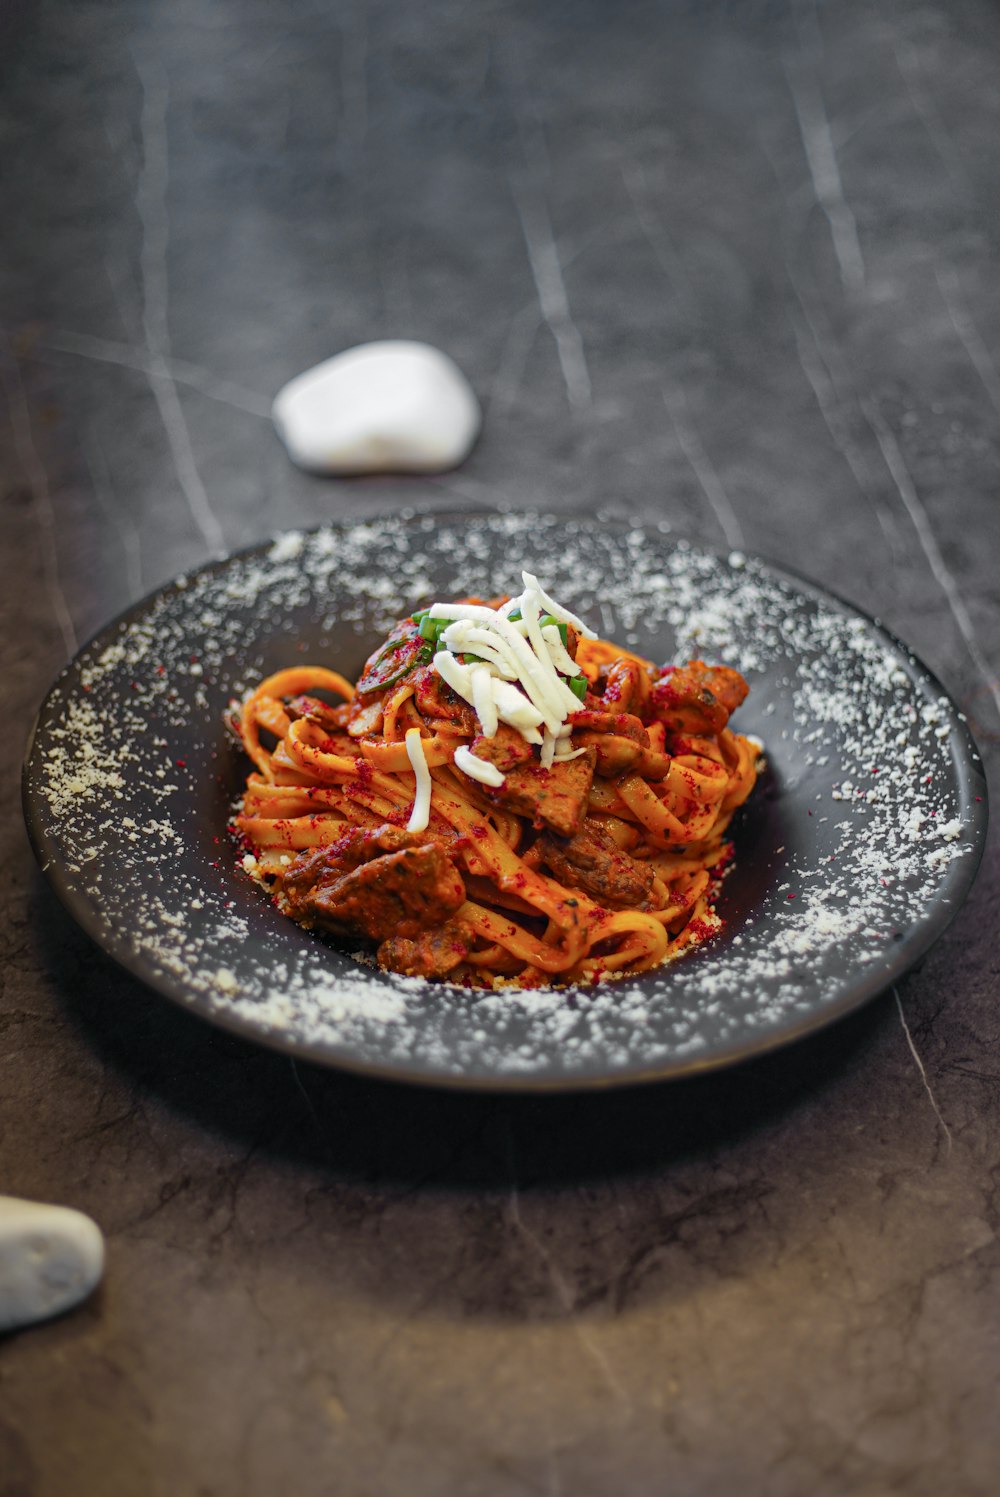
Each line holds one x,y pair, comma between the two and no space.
626,686
625,724
618,739
555,797
696,698
652,765
592,861
380,883
433,953
333,719
506,750
614,754
436,700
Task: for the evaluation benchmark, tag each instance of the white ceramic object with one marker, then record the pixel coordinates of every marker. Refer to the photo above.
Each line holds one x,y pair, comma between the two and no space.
50,1259
393,407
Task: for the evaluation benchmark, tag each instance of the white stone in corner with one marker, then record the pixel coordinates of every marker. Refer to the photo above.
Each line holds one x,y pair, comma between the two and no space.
393,407
50,1259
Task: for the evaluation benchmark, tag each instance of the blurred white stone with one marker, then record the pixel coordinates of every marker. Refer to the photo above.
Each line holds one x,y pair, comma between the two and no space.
393,407
50,1259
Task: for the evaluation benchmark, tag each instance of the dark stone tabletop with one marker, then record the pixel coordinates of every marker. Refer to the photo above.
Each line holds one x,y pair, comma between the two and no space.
732,266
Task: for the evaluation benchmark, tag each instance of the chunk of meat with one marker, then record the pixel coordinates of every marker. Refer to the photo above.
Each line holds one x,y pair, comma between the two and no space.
618,739
625,724
506,750
592,860
436,700
379,883
333,719
432,953
555,797
625,686
696,698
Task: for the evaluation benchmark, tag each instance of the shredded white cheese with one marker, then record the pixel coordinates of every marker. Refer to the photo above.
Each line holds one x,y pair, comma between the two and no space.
476,768
421,814
520,674
482,700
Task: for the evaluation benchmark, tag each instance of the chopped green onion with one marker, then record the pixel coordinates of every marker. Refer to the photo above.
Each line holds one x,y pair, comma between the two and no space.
547,618
468,659
514,615
419,616
578,686
433,629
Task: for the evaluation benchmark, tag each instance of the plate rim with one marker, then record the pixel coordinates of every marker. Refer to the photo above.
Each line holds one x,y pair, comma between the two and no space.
883,976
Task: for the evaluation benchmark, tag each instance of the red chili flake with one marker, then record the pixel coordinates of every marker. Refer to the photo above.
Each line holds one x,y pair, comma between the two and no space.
928,779
161,670
193,659
700,930
791,896
134,685
181,763
810,813
90,688
978,797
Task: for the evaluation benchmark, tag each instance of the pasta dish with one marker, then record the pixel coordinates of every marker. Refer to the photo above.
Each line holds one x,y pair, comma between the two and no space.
501,798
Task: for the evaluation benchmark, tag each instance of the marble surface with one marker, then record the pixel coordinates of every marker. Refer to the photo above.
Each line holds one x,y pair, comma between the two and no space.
729,266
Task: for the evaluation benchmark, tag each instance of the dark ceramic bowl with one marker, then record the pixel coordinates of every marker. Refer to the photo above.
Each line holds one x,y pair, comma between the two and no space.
855,851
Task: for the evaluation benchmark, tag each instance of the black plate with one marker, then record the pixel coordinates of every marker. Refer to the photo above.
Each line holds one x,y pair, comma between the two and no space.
852,856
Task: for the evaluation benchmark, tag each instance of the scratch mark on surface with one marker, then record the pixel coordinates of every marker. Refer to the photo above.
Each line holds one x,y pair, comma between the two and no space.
563,1292
702,466
909,68
151,207
470,491
106,351
38,482
305,1096
823,369
667,258
920,1067
546,269
117,514
821,157
517,346
968,335
918,516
